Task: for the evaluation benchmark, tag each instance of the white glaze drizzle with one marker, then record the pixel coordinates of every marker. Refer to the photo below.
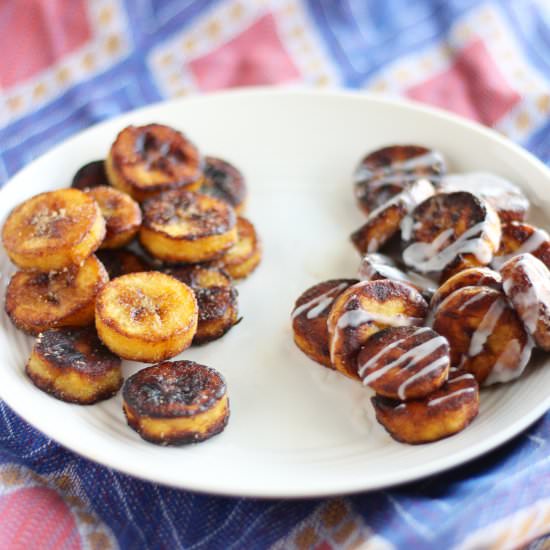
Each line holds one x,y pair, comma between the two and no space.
437,400
486,327
319,303
465,376
421,161
539,237
435,365
501,373
471,300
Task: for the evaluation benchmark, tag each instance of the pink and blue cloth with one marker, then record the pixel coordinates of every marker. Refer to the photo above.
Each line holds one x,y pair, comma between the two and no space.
67,64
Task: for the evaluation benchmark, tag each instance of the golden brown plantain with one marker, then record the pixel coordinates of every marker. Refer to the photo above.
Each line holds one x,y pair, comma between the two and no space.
384,222
181,226
120,261
386,172
36,302
505,197
443,413
450,232
73,365
486,335
90,175
404,362
246,254
216,299
146,316
122,215
225,182
146,160
176,402
364,309
526,283
53,230
309,318
522,238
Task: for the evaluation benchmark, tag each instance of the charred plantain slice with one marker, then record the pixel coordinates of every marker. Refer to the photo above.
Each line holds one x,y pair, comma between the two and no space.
146,160
384,222
246,254
53,230
36,302
443,413
224,181
486,336
73,365
90,175
122,215
474,276
176,402
181,226
386,172
146,317
309,318
526,283
522,238
404,362
364,309
120,261
449,232
216,299
504,196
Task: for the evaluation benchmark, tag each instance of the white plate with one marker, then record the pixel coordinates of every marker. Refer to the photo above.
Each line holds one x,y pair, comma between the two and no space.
296,429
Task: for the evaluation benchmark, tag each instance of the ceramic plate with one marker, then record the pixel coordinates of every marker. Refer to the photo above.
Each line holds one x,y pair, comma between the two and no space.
296,429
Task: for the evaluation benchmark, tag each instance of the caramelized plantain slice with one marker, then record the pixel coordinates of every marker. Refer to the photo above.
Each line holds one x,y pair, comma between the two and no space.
176,402
181,226
120,261
224,181
146,316
216,299
449,232
246,254
386,172
364,309
526,283
504,196
36,302
522,238
53,230
309,318
122,215
73,365
486,336
90,175
443,413
404,362
146,160
384,222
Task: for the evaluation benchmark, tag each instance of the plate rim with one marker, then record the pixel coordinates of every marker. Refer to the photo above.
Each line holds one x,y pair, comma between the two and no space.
231,489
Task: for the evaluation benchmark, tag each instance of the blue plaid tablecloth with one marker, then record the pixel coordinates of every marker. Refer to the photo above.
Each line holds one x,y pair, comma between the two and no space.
67,64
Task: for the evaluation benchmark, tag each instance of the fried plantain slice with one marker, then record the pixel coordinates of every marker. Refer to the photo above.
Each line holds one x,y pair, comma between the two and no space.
449,232
146,160
146,316
176,402
181,226
36,302
486,336
309,318
122,215
441,414
384,222
504,196
246,254
404,362
526,283
522,238
121,261
216,299
384,173
74,366
224,181
90,175
53,230
364,309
